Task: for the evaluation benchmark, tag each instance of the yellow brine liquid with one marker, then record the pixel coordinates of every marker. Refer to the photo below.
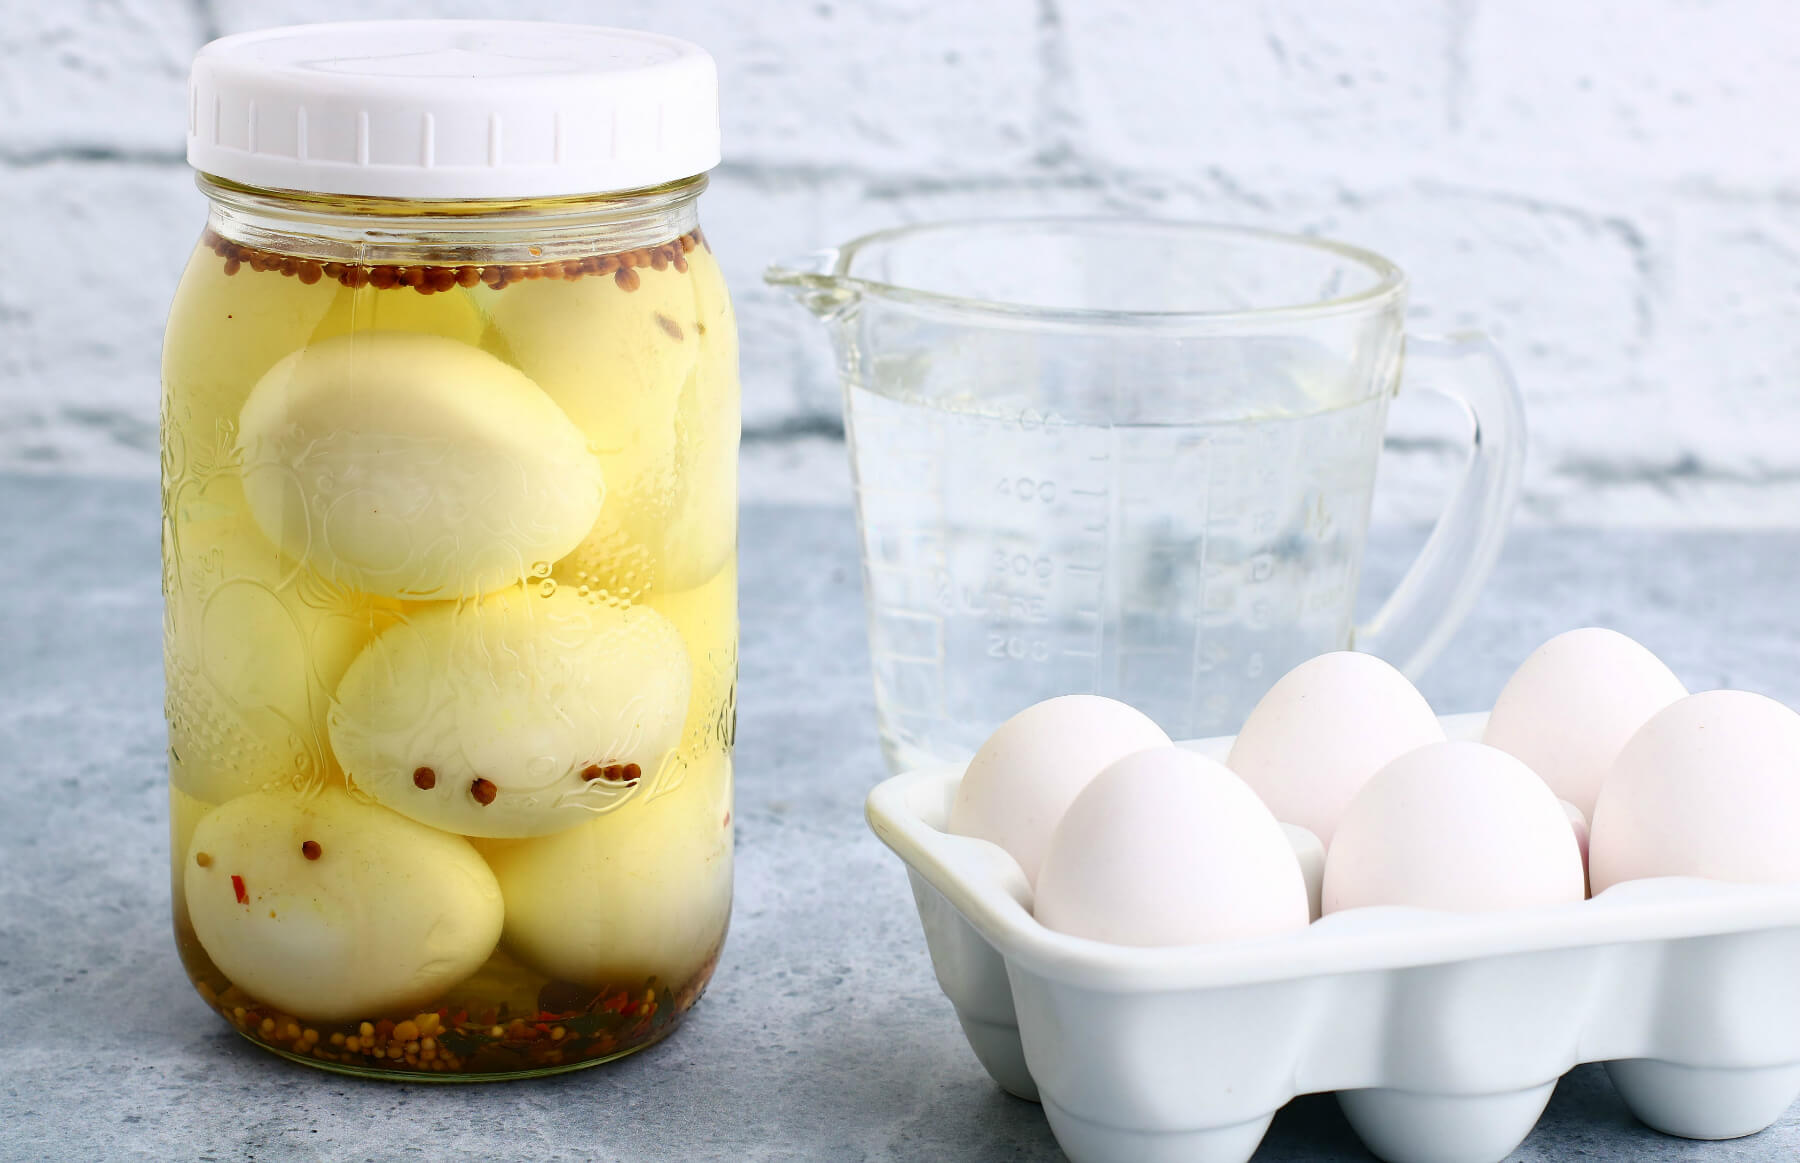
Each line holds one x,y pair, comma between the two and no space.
451,644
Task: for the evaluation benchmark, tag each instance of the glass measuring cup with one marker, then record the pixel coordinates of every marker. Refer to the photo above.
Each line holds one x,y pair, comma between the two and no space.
1134,459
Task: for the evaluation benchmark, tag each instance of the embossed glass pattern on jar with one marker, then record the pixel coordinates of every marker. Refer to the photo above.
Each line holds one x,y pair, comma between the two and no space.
449,538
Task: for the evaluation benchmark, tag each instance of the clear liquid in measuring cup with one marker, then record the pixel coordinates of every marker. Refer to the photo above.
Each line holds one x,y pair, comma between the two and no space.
1013,556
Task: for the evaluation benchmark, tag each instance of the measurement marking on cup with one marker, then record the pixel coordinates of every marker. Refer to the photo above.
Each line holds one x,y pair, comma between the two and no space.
877,490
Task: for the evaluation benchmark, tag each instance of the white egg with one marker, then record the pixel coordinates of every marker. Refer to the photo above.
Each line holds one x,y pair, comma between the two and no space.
1571,706
1579,823
1709,787
514,716
1311,855
1167,847
642,891
1457,826
1323,730
1034,765
330,908
415,467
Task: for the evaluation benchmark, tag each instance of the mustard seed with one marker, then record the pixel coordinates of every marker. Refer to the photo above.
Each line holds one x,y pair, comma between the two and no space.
430,279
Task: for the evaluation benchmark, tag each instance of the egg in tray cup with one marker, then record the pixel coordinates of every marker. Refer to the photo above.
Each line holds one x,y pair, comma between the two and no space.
1355,895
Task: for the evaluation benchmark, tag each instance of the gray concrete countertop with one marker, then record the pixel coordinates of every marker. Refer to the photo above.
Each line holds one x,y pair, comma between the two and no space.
823,1036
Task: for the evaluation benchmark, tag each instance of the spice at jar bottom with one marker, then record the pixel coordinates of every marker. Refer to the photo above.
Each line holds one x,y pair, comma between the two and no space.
573,1025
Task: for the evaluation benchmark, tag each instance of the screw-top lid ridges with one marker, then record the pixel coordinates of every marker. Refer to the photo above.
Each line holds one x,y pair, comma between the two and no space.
447,109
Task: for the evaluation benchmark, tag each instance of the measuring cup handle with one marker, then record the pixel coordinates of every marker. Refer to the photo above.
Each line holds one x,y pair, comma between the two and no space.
1425,609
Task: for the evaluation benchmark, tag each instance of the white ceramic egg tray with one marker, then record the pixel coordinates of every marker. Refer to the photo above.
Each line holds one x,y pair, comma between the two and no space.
1442,1034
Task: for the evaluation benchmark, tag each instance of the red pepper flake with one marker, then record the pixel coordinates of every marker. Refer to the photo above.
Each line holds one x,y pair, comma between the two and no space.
237,886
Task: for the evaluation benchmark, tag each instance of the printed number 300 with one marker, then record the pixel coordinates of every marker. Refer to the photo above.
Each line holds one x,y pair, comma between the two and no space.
1001,646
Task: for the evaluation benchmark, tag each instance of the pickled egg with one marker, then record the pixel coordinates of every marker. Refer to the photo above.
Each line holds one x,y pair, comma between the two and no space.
642,891
226,331
329,908
1708,787
1166,847
1033,766
518,715
1456,826
1571,706
413,466
707,617
256,644
185,813
1318,735
649,375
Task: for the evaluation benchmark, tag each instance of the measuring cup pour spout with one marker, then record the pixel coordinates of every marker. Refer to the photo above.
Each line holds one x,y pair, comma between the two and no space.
814,281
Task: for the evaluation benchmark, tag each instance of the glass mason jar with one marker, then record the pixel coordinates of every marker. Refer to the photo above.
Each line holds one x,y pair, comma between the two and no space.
449,548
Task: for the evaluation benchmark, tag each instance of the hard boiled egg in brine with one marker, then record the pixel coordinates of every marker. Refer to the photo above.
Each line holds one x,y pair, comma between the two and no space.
414,467
1323,730
1167,847
331,908
1572,705
642,891
1030,769
1456,826
1709,787
520,715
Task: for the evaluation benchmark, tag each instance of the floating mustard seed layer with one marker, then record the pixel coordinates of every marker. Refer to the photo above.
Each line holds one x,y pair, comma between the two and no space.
427,280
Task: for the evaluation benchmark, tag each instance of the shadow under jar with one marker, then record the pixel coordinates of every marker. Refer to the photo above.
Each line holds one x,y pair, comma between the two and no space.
450,422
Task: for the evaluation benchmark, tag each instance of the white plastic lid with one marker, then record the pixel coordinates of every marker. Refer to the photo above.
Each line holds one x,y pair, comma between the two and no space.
453,109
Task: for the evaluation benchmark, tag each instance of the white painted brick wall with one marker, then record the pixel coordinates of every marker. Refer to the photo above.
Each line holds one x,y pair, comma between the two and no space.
1610,187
